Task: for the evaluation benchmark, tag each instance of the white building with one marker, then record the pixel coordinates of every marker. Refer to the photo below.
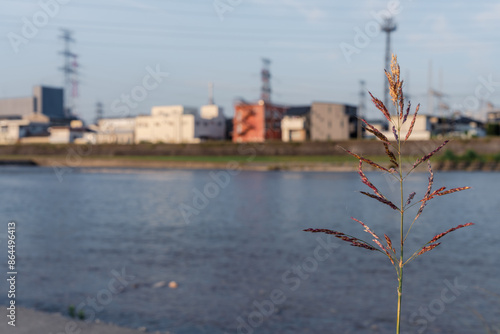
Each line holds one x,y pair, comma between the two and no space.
167,124
12,131
295,124
422,130
116,130
179,124
75,133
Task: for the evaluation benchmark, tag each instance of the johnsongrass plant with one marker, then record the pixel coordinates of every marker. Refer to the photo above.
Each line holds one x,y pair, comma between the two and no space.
397,256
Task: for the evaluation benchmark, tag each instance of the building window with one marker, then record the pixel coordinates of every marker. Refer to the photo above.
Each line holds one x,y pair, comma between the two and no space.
4,129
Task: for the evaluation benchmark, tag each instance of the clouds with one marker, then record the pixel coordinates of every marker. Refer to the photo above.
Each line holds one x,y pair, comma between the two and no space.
490,14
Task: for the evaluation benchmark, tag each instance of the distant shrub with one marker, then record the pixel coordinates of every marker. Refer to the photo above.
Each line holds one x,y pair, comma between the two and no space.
471,156
448,155
468,156
71,311
493,129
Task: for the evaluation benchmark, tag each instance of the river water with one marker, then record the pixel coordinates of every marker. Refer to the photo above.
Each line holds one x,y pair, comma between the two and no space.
101,239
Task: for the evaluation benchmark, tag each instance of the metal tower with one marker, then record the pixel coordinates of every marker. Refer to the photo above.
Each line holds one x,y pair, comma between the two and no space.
265,93
388,26
70,70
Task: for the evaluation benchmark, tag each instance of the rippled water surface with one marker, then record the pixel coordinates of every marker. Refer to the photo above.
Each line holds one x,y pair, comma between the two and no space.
241,247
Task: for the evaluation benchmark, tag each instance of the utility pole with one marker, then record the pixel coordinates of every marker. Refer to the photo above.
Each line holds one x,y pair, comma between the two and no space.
388,27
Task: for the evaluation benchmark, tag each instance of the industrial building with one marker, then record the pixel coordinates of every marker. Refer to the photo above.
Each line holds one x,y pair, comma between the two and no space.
333,121
46,101
257,122
211,125
27,119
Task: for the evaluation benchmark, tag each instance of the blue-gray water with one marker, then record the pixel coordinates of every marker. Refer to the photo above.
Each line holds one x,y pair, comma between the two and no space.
243,247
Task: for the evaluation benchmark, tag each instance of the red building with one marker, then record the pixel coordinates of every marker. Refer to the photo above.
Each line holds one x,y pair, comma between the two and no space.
257,122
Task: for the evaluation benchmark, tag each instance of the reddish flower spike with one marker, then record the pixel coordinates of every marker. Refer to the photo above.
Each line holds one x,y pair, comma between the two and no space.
428,156
428,248
412,123
439,236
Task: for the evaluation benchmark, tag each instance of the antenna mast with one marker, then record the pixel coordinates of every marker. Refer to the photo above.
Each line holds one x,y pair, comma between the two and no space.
211,93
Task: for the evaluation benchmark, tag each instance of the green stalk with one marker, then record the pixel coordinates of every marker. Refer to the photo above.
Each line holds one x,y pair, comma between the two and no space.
400,272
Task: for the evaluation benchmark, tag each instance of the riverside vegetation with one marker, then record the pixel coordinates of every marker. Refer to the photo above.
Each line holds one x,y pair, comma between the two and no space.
394,150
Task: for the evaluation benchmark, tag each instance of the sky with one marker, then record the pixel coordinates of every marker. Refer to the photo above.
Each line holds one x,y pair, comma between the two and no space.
166,52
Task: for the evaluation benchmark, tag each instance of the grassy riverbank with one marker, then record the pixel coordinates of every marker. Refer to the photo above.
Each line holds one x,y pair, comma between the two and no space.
482,154
447,161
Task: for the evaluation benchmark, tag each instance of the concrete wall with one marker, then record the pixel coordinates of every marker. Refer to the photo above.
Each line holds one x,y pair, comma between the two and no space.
364,147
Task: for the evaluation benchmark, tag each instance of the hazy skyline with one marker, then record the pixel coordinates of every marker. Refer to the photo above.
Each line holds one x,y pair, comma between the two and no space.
316,48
